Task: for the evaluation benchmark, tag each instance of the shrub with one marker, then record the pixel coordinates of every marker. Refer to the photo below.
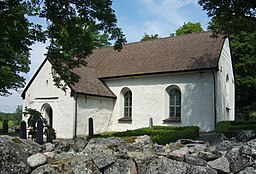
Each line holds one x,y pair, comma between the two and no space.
231,128
162,134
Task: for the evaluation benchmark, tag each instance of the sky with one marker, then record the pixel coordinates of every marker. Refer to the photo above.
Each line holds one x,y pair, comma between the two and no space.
135,17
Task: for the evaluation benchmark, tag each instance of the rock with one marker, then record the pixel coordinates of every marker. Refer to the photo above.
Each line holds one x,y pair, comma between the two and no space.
102,157
81,142
74,164
116,142
13,155
189,141
142,141
193,159
65,146
248,170
122,166
250,148
36,160
49,156
245,135
194,148
207,156
221,164
178,154
169,166
48,147
237,160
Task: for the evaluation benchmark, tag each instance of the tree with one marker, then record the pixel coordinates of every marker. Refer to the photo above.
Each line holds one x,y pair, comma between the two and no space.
189,27
231,16
149,37
74,28
237,19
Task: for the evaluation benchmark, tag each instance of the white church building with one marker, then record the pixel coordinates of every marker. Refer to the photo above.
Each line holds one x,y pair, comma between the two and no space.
176,81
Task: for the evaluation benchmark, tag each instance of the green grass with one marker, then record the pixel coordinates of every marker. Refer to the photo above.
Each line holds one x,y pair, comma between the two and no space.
159,134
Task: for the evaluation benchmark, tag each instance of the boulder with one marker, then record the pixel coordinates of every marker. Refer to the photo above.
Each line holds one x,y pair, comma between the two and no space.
193,159
48,147
122,166
207,156
36,160
80,143
13,155
237,160
220,164
74,164
248,170
245,135
178,154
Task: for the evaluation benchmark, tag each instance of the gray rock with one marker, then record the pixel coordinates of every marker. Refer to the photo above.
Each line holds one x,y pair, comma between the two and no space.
36,160
74,164
48,147
64,146
192,159
221,164
248,170
207,156
245,135
237,160
102,157
122,166
81,142
113,143
13,155
250,148
159,165
189,141
194,148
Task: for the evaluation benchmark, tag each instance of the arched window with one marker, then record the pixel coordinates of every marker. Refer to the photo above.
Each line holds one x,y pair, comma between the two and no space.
175,103
128,104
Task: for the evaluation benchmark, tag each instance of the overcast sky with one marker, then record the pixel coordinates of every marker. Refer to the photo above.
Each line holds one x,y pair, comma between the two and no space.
135,17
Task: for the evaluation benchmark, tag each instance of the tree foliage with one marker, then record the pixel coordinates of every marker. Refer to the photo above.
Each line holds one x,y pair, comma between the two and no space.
237,19
74,28
189,27
231,16
149,37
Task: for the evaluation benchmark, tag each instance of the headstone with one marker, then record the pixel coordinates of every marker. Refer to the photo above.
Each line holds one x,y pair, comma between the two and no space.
90,127
150,122
5,127
23,130
50,135
39,132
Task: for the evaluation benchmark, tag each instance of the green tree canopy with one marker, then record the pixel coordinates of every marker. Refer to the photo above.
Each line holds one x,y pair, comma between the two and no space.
149,37
231,16
237,19
74,28
189,27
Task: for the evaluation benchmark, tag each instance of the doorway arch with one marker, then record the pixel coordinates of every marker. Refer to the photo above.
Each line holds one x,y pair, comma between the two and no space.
47,113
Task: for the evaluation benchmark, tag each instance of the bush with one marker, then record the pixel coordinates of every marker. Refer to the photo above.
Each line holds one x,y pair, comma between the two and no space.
163,134
231,128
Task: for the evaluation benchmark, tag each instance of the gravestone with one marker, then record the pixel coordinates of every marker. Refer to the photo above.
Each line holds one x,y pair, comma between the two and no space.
90,127
39,132
50,135
150,122
23,130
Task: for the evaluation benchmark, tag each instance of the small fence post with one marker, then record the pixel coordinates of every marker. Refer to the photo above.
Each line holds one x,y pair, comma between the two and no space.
39,132
90,127
23,130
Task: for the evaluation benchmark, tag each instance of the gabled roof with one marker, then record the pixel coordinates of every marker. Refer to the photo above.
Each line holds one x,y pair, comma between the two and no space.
191,52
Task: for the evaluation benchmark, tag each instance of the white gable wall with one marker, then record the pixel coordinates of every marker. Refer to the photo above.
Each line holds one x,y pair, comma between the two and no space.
42,91
225,86
150,99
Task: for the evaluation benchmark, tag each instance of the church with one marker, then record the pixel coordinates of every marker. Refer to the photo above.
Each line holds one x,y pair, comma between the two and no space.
174,81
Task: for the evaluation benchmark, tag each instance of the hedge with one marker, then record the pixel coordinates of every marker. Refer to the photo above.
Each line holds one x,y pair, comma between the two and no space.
231,128
163,134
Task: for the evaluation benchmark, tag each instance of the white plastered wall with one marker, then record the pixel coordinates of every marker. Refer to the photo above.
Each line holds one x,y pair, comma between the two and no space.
42,91
98,108
150,99
225,86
